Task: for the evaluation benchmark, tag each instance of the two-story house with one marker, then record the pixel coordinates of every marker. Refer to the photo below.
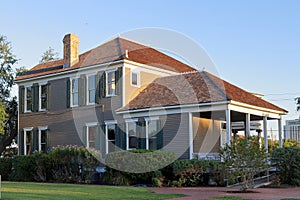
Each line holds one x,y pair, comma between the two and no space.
125,95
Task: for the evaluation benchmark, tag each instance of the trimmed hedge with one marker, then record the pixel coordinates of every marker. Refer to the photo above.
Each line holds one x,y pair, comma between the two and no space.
70,164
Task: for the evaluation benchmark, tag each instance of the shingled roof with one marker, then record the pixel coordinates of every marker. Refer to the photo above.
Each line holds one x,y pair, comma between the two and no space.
193,88
113,50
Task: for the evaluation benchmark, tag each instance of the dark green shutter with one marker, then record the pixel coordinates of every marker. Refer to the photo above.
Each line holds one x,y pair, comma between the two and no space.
32,141
48,96
21,143
84,139
35,140
98,90
159,135
68,93
121,136
47,141
103,140
97,139
82,90
21,99
103,85
118,75
35,97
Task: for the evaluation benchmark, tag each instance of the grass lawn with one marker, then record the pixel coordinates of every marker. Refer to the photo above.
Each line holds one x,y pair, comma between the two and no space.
25,190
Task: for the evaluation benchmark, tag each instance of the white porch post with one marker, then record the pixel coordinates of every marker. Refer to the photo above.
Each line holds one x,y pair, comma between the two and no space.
247,128
265,133
228,127
191,135
280,133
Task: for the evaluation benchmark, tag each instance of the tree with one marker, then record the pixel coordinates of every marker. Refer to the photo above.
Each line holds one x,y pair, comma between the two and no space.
3,117
287,161
297,101
49,55
243,160
7,61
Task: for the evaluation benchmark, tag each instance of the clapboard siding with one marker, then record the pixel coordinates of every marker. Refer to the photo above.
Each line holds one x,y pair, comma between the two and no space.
176,135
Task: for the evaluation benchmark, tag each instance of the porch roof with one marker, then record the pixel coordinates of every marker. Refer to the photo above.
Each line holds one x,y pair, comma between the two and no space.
194,88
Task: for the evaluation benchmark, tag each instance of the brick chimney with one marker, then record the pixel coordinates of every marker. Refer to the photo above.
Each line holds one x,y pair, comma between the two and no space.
71,56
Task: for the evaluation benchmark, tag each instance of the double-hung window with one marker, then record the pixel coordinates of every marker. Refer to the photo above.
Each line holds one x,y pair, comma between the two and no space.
43,97
74,92
43,139
151,133
110,137
132,138
111,83
28,99
91,132
91,89
28,140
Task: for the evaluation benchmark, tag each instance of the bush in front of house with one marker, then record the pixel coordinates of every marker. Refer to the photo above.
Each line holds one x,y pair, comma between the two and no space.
64,164
287,162
190,173
136,167
5,168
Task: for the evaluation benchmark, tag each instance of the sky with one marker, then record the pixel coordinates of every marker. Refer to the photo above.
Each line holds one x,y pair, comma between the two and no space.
254,44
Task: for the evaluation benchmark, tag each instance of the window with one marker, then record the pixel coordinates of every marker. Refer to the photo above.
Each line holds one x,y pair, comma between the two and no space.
28,141
91,88
28,99
135,81
74,92
152,134
43,139
91,135
43,97
111,83
132,135
111,138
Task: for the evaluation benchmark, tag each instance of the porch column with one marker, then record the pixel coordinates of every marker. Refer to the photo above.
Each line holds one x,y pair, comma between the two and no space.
228,127
265,133
259,137
191,136
280,132
247,126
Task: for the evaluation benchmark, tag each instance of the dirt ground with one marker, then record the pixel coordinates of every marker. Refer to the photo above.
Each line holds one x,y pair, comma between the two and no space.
208,192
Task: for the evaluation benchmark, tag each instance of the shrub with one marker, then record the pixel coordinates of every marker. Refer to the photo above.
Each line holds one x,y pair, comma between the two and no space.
5,168
287,161
192,172
23,168
136,167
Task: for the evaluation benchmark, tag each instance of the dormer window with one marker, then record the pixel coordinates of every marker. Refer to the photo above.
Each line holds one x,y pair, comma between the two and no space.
135,79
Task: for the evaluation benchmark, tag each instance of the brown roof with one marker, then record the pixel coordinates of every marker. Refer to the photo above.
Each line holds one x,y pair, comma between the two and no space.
110,51
190,88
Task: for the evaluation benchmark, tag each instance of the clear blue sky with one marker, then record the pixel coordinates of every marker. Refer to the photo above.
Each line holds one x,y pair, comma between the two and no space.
255,44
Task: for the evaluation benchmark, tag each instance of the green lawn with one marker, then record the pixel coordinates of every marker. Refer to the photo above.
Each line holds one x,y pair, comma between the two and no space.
21,190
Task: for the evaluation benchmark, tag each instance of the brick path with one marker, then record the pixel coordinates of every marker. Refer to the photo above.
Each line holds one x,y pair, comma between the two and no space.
209,192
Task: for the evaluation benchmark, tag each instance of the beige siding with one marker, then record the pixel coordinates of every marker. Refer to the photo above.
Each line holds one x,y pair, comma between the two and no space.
206,135
132,91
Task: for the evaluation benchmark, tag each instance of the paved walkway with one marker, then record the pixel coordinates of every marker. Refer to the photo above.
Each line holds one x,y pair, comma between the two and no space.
209,192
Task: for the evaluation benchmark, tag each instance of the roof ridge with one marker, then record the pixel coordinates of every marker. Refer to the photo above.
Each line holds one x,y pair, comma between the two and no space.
216,85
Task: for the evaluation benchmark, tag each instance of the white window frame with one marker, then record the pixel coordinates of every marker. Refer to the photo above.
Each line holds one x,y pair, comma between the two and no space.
40,96
25,134
138,80
127,133
25,99
87,89
71,91
147,120
108,123
88,125
41,128
106,92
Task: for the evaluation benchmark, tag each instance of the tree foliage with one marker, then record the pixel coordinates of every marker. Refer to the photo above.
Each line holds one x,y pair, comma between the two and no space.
287,161
7,74
3,117
243,160
49,55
